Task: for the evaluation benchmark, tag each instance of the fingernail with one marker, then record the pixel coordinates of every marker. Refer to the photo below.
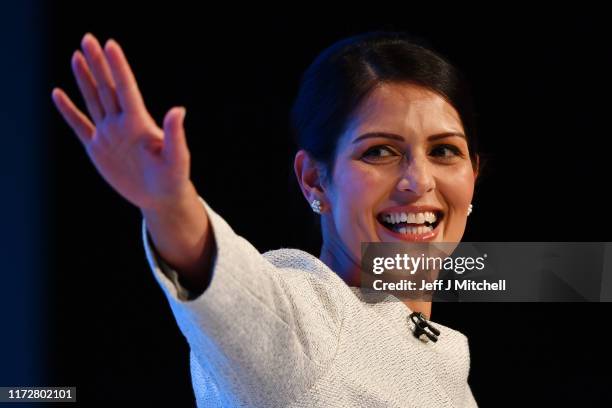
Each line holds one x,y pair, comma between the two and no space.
75,56
87,35
107,43
55,95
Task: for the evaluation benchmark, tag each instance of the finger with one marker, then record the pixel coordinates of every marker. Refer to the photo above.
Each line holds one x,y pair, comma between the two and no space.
76,119
175,145
101,72
130,98
87,86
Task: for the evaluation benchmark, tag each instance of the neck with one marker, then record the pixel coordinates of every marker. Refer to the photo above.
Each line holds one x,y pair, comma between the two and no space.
342,264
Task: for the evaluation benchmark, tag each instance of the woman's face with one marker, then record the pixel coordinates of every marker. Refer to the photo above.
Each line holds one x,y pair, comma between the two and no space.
402,172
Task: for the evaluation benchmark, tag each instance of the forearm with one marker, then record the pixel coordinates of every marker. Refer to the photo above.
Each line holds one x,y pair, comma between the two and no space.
182,238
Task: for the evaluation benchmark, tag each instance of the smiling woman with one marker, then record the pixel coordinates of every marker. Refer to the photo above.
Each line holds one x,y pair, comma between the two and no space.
388,147
402,171
387,153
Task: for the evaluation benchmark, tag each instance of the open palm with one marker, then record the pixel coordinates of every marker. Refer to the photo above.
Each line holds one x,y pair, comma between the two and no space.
147,165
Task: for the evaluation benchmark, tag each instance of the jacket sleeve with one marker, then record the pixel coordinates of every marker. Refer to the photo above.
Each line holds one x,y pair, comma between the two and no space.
263,333
470,402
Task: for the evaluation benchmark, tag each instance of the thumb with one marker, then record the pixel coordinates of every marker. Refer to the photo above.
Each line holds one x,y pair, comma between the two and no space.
175,144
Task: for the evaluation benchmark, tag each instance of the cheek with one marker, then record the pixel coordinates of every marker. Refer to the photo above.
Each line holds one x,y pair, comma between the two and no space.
358,187
456,187
358,190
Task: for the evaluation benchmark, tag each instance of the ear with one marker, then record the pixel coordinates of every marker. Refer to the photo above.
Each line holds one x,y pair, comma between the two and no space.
309,176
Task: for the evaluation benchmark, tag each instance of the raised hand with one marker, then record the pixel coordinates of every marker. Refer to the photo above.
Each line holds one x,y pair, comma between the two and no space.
147,165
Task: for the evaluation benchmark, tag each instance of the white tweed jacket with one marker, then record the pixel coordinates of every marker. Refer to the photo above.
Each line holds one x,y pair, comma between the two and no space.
281,329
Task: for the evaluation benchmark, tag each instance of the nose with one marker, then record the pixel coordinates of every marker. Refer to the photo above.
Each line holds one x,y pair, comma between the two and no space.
416,176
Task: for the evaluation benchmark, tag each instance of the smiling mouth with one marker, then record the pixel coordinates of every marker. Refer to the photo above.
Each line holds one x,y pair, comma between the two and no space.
411,224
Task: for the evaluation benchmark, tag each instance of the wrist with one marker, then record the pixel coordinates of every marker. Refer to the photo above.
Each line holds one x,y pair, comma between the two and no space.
184,198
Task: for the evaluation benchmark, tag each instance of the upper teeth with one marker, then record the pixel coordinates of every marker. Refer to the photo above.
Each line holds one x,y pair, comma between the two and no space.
411,218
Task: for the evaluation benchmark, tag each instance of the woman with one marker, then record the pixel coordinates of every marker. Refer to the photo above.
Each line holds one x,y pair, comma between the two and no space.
384,129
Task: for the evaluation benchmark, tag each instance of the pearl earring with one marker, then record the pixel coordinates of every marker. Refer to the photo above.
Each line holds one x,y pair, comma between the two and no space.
470,209
316,206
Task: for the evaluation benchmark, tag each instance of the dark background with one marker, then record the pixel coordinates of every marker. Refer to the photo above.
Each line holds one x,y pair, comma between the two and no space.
541,84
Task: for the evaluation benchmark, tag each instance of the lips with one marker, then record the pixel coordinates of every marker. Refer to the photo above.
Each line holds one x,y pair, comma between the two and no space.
412,223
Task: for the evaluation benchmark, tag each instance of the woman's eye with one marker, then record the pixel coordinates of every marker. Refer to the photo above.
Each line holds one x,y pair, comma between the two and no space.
379,152
446,151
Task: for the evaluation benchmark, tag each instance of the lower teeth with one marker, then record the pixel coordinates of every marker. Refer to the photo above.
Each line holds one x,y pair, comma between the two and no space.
413,230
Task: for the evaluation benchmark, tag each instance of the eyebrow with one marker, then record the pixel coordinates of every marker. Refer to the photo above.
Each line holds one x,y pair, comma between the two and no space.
401,139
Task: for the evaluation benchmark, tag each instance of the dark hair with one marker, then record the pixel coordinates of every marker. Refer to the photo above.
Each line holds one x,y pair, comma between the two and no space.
345,73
